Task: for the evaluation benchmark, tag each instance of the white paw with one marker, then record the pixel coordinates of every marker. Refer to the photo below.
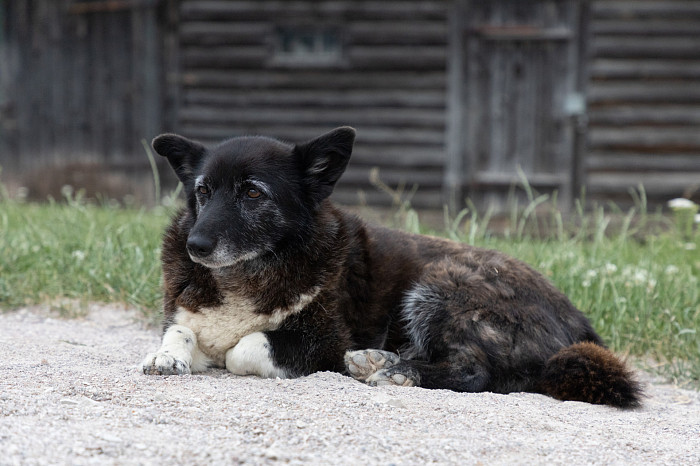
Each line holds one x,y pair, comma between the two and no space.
163,363
251,356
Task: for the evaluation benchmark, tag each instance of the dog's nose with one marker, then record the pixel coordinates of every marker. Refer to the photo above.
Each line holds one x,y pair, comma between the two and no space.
200,246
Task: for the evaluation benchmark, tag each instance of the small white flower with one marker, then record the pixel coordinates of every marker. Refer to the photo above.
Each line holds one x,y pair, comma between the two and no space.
590,274
640,276
67,190
671,270
680,203
586,283
689,246
610,268
78,255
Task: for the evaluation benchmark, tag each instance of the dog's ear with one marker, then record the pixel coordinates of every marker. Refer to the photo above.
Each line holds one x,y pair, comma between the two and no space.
324,159
182,154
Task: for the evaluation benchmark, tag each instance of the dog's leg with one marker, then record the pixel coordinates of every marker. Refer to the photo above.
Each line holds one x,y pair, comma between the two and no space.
304,343
177,355
377,367
251,356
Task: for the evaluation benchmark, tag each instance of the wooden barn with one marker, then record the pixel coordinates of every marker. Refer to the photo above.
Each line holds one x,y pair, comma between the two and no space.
452,98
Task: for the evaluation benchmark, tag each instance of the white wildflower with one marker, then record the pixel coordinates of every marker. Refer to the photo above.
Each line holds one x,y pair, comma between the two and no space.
590,274
671,270
689,246
681,203
640,277
78,255
610,268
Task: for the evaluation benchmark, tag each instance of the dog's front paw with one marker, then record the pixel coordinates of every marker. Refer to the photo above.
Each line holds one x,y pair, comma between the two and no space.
162,363
364,363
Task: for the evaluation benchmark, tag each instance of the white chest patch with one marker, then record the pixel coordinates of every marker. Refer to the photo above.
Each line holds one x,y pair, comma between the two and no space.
219,329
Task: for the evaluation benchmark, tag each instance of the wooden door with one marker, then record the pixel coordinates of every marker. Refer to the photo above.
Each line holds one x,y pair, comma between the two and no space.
80,80
516,97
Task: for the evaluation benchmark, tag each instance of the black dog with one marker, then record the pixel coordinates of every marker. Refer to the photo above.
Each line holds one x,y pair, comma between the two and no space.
263,275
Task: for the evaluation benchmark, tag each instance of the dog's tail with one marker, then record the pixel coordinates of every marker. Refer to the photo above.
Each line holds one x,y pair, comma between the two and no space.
588,372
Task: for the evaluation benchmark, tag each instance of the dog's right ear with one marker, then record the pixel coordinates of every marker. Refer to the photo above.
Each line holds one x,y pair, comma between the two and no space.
183,154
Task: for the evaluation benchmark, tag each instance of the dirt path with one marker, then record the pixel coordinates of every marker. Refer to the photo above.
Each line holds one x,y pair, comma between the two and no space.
71,393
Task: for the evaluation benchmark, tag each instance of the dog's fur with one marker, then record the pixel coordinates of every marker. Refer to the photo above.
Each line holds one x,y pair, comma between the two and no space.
264,276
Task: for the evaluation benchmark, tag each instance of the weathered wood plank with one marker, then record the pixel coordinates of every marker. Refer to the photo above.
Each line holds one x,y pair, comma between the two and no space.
398,57
233,57
621,26
635,9
645,139
335,98
413,31
361,57
415,157
300,132
657,185
424,119
213,33
350,10
408,32
651,115
200,79
358,175
369,195
669,92
643,162
639,69
647,47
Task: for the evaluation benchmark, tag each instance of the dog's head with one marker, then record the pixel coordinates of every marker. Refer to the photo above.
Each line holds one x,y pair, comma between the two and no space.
250,195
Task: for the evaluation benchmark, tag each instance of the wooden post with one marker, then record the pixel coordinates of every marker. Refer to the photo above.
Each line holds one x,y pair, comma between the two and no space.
455,125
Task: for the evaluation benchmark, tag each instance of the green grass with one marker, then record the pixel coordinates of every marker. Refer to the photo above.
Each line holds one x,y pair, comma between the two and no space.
72,252
634,274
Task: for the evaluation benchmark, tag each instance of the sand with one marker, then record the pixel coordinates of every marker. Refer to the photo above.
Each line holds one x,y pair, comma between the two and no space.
71,392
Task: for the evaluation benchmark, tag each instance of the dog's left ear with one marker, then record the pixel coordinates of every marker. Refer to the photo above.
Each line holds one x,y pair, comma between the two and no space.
324,159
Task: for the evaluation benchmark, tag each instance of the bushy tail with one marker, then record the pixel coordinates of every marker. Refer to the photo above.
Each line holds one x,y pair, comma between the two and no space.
588,372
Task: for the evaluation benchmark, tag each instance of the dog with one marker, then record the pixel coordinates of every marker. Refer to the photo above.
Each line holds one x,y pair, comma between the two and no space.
264,276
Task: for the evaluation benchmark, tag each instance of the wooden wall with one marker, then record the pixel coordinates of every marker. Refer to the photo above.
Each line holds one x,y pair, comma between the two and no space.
389,82
88,80
644,99
82,85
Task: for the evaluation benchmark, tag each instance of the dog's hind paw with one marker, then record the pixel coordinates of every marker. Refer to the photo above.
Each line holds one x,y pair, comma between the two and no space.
364,363
394,376
164,364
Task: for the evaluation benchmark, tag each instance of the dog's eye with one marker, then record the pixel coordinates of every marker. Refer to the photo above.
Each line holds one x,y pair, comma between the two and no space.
253,193
203,190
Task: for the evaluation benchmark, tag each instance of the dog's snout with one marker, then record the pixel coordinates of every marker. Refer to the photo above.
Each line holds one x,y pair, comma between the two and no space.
200,246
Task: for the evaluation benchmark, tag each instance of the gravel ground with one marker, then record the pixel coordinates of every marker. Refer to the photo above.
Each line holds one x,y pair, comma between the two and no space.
71,393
